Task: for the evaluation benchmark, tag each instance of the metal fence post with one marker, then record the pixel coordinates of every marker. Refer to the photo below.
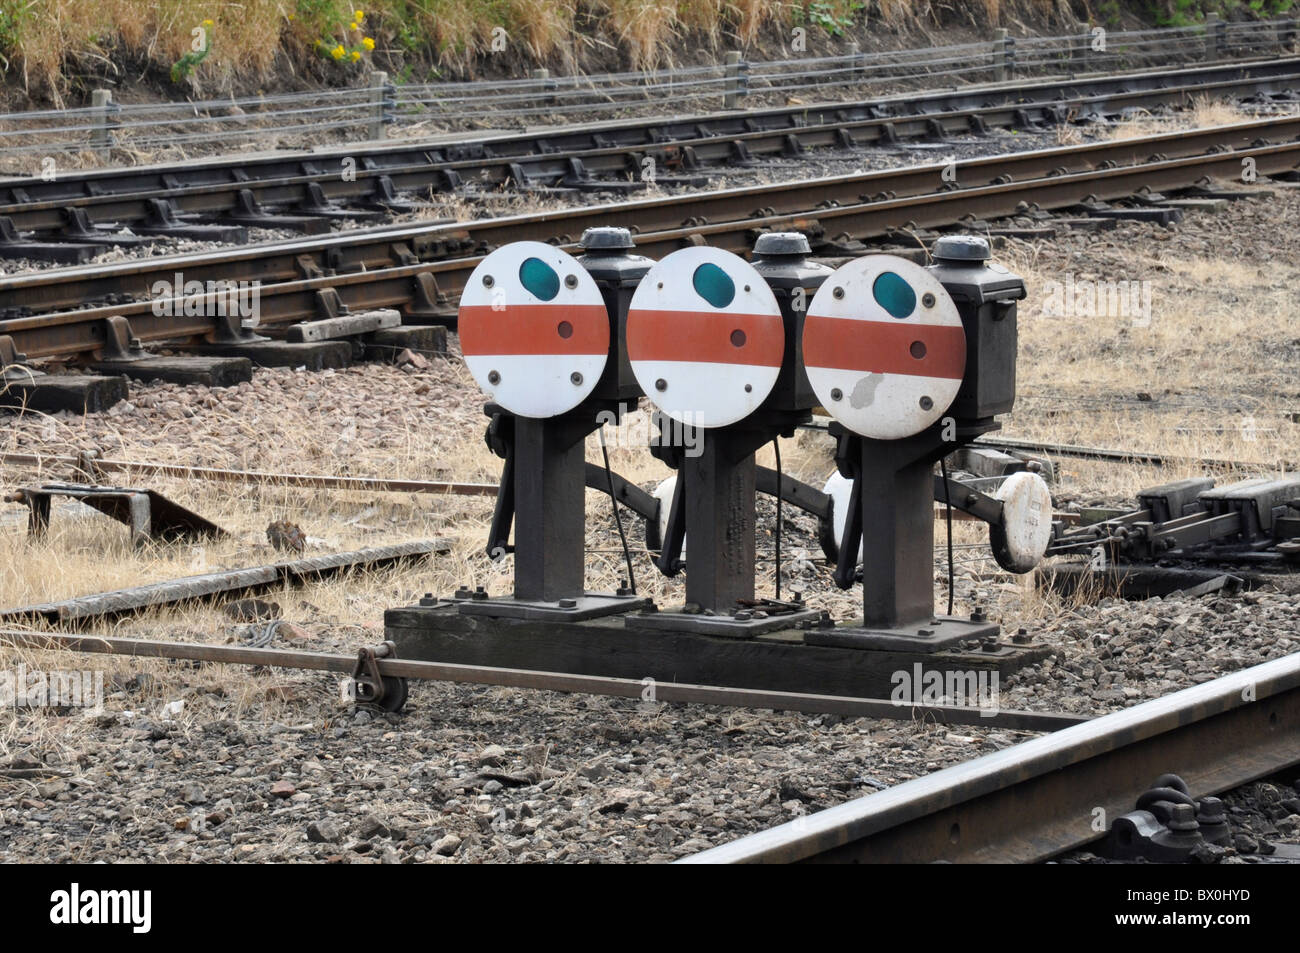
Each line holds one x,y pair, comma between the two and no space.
999,55
543,79
1082,47
735,85
378,97
858,60
1215,33
101,137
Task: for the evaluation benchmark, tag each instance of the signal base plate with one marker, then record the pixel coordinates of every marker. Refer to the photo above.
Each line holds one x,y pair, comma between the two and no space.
589,606
724,625
929,635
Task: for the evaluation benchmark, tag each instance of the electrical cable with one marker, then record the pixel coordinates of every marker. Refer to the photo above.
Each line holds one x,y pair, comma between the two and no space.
776,445
618,517
947,512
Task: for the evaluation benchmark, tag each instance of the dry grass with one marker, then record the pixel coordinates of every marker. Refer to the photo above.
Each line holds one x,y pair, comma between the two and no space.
44,42
1204,112
1187,384
45,39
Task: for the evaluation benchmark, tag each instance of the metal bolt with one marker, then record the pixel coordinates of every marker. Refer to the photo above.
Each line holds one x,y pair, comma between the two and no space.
1183,818
488,281
836,393
576,378
838,292
494,377
927,300
926,403
570,281
991,645
1209,810
749,388
661,384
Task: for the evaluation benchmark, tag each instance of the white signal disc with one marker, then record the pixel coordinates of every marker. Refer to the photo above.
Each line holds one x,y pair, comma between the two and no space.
664,494
534,329
840,489
1021,539
705,337
884,347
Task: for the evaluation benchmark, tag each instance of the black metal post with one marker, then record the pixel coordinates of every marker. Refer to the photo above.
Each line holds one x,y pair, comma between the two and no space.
550,517
719,498
897,512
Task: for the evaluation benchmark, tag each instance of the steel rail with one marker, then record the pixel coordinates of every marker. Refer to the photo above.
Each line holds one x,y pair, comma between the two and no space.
124,196
102,605
97,466
368,249
290,297
1040,798
848,707
1139,457
636,499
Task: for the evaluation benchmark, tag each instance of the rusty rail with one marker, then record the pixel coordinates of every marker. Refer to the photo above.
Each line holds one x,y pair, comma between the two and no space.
231,582
548,681
421,269
94,467
1041,798
676,144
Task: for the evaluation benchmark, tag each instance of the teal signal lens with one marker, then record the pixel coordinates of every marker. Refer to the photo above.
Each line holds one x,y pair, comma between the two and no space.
714,285
539,278
894,294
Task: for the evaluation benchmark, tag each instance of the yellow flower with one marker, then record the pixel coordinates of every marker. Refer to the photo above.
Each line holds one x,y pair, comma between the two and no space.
358,15
207,23
368,43
337,52
356,55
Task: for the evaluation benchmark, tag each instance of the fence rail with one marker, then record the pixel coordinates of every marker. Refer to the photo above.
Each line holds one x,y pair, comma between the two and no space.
106,131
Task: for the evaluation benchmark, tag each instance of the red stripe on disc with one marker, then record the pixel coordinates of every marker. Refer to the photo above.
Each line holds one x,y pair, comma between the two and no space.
874,347
706,338
533,329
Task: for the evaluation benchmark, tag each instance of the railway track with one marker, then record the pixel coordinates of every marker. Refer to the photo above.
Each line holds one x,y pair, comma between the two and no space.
420,269
78,215
1041,798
